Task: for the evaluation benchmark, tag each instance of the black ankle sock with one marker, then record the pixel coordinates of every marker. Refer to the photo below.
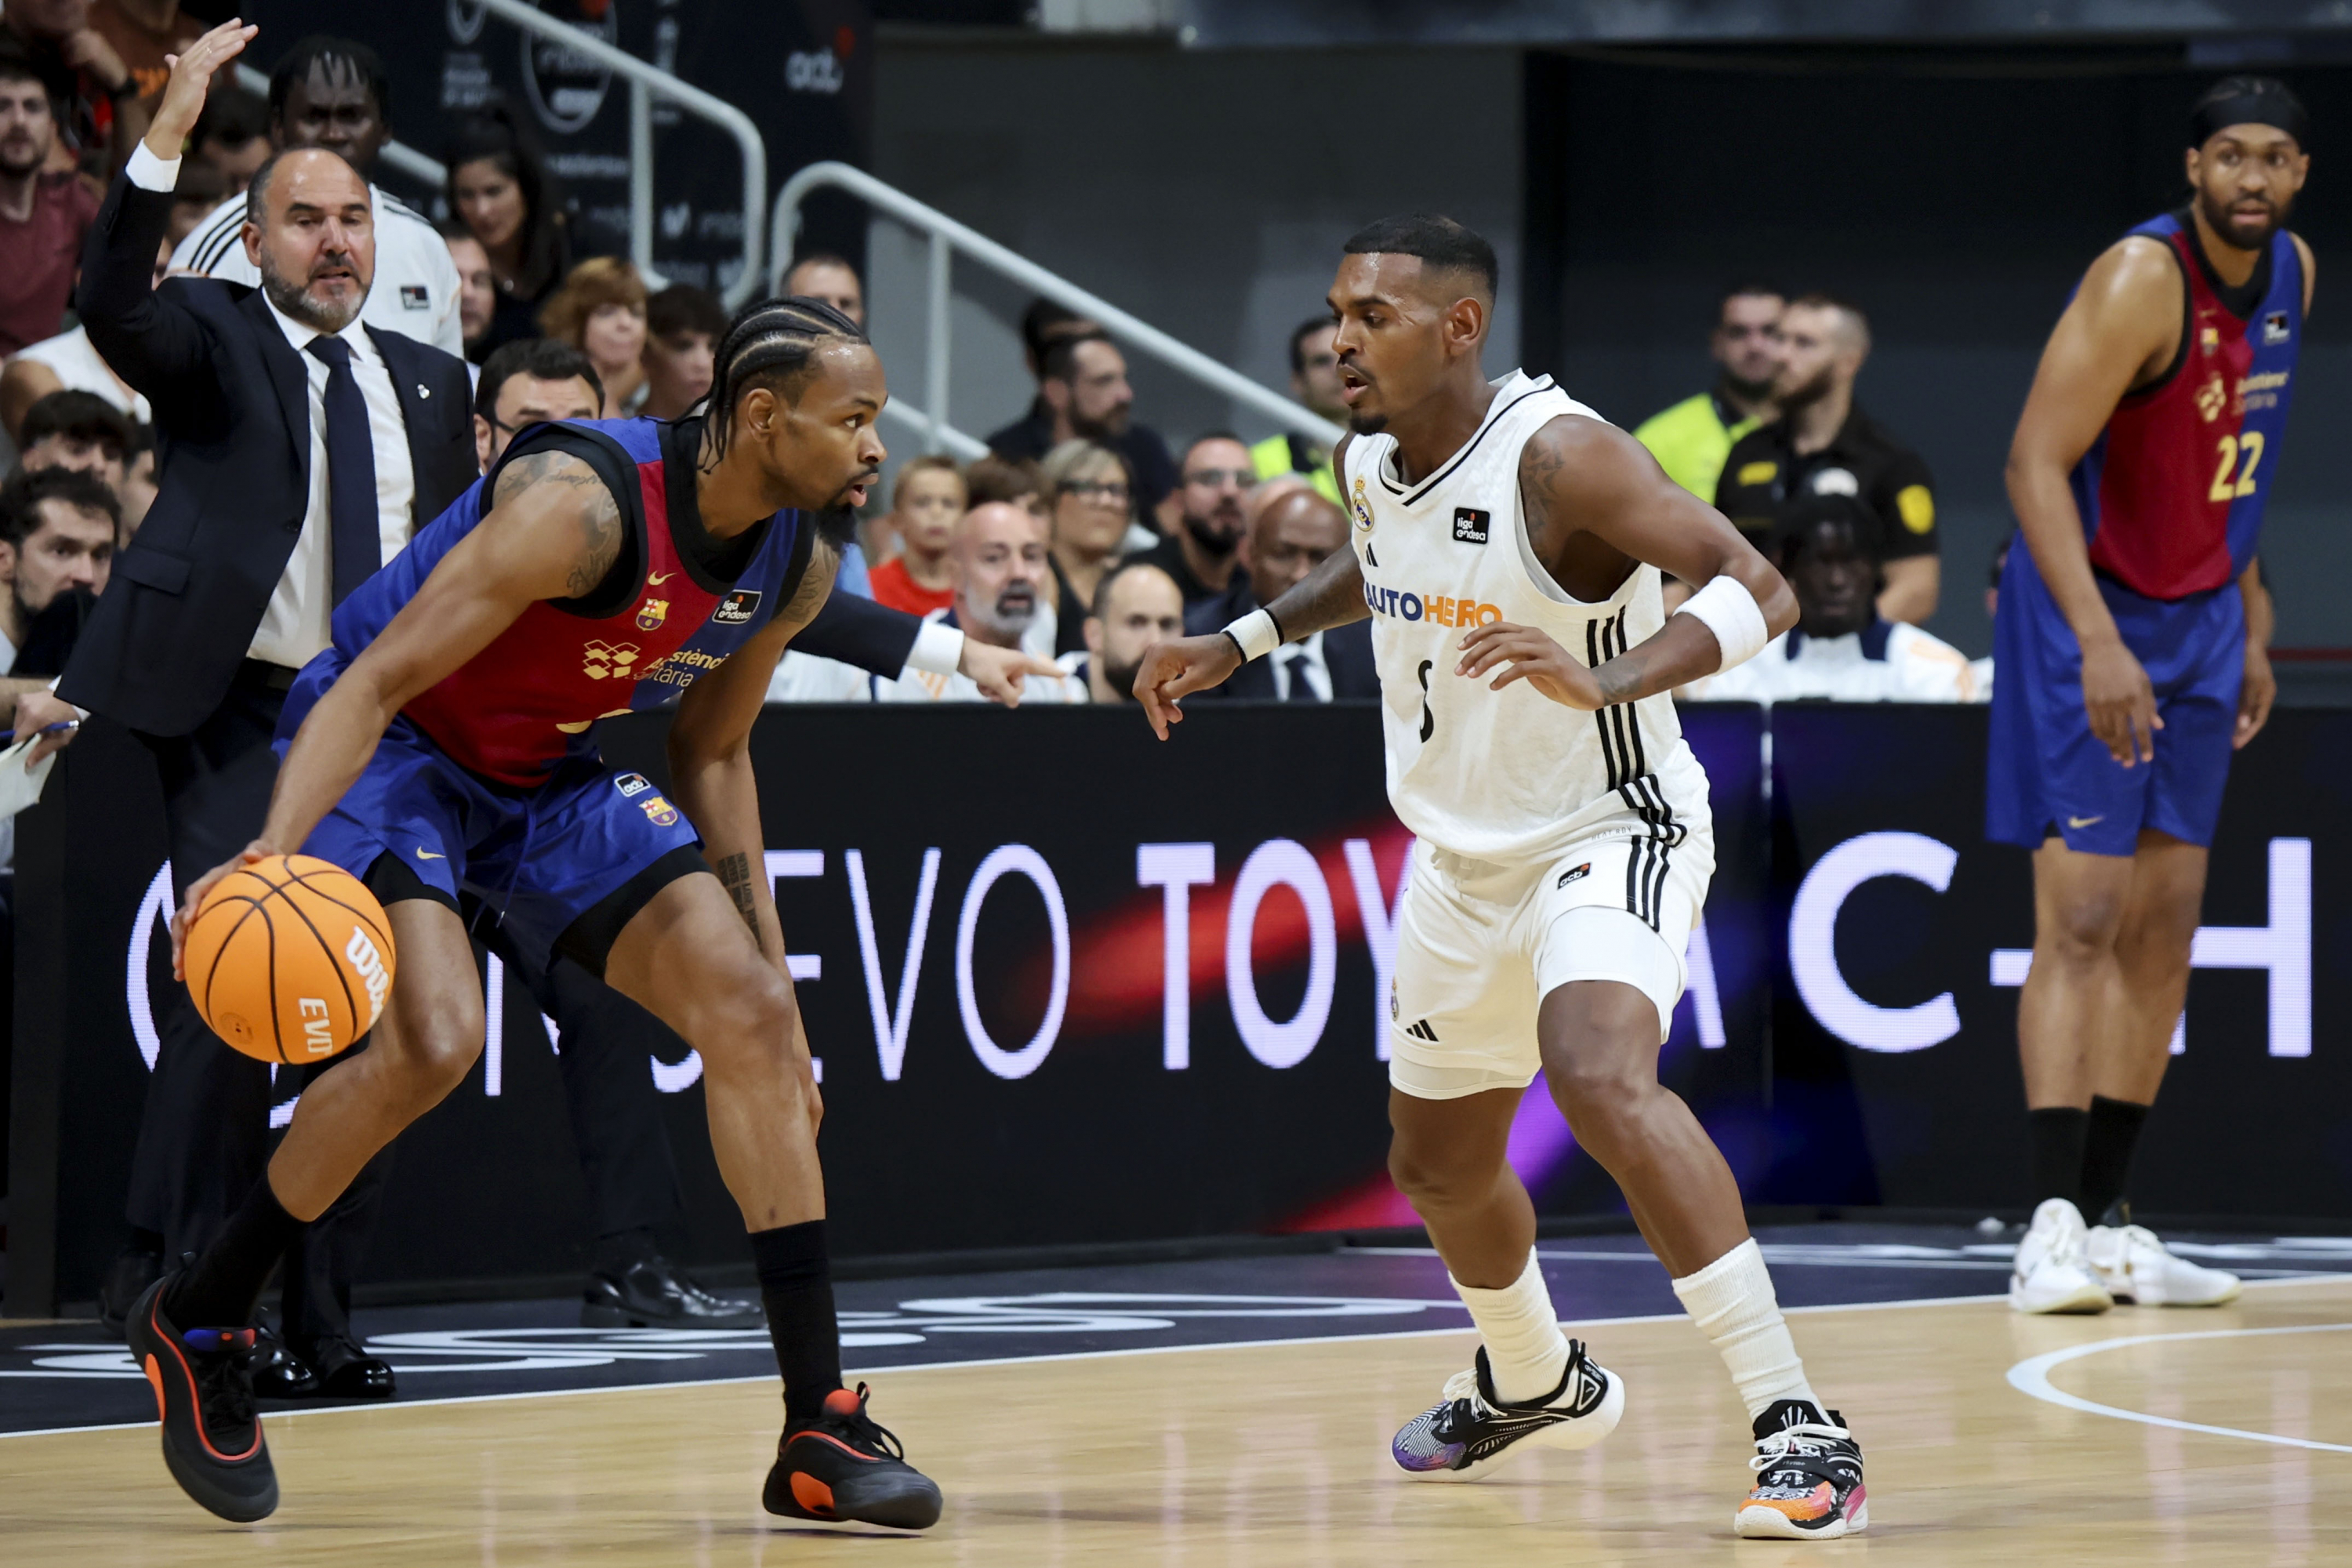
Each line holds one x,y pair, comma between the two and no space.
2058,1135
796,1289
2112,1135
225,1285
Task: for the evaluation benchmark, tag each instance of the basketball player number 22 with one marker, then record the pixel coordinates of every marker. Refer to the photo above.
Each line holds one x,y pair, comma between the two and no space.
2250,446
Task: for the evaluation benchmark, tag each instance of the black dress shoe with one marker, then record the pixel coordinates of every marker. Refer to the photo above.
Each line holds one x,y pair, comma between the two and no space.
127,1278
347,1372
653,1292
277,1372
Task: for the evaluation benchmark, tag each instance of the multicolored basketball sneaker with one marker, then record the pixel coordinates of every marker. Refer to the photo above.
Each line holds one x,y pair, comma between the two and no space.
1809,1478
844,1466
1470,1431
204,1398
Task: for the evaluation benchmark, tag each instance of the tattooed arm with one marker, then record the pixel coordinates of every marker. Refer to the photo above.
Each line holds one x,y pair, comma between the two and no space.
1597,506
1330,596
553,531
710,758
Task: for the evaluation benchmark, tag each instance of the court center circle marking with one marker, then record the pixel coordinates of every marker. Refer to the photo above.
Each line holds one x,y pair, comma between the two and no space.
2032,1376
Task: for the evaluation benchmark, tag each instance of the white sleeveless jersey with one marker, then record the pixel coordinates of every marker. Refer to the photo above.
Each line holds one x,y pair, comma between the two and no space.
1507,776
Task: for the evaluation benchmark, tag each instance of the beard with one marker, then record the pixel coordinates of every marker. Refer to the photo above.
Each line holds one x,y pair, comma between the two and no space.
294,299
1106,429
1204,533
1748,391
1364,424
1120,678
1809,393
2231,226
1011,614
837,526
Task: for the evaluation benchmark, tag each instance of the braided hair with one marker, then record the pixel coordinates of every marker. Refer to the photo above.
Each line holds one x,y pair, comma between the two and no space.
771,344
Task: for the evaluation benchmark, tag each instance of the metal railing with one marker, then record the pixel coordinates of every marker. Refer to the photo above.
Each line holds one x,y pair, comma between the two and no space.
948,237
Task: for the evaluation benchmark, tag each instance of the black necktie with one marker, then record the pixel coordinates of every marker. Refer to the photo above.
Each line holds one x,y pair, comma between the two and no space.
351,472
1293,658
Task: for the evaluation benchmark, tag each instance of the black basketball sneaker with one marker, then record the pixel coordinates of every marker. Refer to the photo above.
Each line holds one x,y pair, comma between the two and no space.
844,1466
1470,1430
203,1396
1808,1477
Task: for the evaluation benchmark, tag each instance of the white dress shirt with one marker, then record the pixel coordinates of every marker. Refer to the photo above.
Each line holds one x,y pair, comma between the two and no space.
919,685
1302,660
414,292
295,629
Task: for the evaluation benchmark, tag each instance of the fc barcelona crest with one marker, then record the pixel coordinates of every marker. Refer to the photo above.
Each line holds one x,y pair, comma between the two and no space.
652,613
662,813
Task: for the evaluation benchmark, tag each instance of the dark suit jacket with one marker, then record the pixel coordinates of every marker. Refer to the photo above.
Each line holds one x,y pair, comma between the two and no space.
1346,654
233,458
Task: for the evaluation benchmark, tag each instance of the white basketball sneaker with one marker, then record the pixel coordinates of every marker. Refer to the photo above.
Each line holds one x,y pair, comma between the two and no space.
2133,1266
2051,1273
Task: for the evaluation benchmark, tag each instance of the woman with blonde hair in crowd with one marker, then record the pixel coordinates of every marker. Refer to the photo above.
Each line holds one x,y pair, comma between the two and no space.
1090,497
601,311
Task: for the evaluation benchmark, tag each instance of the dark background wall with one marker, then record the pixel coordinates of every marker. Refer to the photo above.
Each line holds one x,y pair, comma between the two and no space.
1956,198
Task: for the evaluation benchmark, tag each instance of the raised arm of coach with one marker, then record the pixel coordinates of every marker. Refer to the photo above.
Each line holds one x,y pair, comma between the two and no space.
297,449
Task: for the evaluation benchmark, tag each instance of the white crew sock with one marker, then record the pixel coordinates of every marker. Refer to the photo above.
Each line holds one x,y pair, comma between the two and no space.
1526,1351
1732,1302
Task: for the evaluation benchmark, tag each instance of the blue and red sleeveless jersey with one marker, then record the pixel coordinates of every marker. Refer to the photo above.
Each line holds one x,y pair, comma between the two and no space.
2171,493
533,696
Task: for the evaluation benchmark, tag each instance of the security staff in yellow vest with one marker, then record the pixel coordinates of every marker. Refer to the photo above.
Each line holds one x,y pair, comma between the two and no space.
1822,445
1314,381
1691,439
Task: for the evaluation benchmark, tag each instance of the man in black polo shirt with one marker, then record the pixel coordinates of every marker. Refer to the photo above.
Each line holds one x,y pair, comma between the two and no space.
1824,444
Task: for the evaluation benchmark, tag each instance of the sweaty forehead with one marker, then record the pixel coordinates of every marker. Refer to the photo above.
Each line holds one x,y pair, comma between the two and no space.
1386,278
318,178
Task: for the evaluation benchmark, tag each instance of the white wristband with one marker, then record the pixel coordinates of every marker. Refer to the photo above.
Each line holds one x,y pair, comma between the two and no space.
1726,609
1255,634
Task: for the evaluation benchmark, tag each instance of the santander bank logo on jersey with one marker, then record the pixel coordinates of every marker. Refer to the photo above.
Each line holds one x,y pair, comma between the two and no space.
1436,607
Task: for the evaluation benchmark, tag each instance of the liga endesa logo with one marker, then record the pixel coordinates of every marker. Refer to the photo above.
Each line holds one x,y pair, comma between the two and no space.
1435,607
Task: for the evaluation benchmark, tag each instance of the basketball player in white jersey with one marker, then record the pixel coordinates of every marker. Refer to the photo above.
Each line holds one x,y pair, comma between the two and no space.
1507,545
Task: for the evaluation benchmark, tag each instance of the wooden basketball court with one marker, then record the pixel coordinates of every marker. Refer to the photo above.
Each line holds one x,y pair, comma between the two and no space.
1276,1454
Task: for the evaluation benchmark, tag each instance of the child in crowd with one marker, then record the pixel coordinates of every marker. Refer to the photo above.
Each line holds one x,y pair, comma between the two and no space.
925,503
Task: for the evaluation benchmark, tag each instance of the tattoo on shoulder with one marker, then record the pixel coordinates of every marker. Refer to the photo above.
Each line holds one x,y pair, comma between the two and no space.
600,515
816,584
735,876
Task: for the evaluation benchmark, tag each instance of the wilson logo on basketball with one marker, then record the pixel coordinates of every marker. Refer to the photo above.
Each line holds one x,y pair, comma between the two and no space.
370,964
609,662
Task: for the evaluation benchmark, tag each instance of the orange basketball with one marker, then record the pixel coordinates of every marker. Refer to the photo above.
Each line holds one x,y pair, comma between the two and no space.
290,958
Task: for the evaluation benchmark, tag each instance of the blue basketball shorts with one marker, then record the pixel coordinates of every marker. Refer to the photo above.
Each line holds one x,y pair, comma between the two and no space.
588,842
2046,772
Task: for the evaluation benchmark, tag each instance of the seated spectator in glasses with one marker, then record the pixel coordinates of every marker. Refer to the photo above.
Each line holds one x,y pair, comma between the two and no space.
530,382
683,326
1136,605
1292,528
1001,572
1841,649
601,311
76,430
57,530
1203,553
1083,394
44,212
477,289
1315,381
823,275
926,499
232,136
1087,495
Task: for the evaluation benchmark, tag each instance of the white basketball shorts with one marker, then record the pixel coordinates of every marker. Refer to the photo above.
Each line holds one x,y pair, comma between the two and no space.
1478,947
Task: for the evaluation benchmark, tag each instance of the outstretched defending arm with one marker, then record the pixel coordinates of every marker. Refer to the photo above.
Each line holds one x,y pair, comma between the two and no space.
1330,596
1579,477
710,758
553,531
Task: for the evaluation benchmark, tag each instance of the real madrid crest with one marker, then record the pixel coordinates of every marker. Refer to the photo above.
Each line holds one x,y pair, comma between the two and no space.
1360,504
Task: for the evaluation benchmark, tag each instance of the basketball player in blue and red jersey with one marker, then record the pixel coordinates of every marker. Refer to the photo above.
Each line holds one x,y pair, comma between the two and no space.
444,743
2129,656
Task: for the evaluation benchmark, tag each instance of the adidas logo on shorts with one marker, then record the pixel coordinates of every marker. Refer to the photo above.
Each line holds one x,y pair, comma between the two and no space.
1420,1030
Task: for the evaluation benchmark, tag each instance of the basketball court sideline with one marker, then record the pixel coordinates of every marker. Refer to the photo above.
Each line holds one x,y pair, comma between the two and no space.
1239,1410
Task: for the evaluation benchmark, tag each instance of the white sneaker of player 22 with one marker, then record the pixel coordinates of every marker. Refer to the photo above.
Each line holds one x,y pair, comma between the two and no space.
2135,1267
2051,1273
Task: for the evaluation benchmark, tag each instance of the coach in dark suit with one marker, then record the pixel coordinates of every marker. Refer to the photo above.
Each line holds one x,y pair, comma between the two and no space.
1291,529
296,449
